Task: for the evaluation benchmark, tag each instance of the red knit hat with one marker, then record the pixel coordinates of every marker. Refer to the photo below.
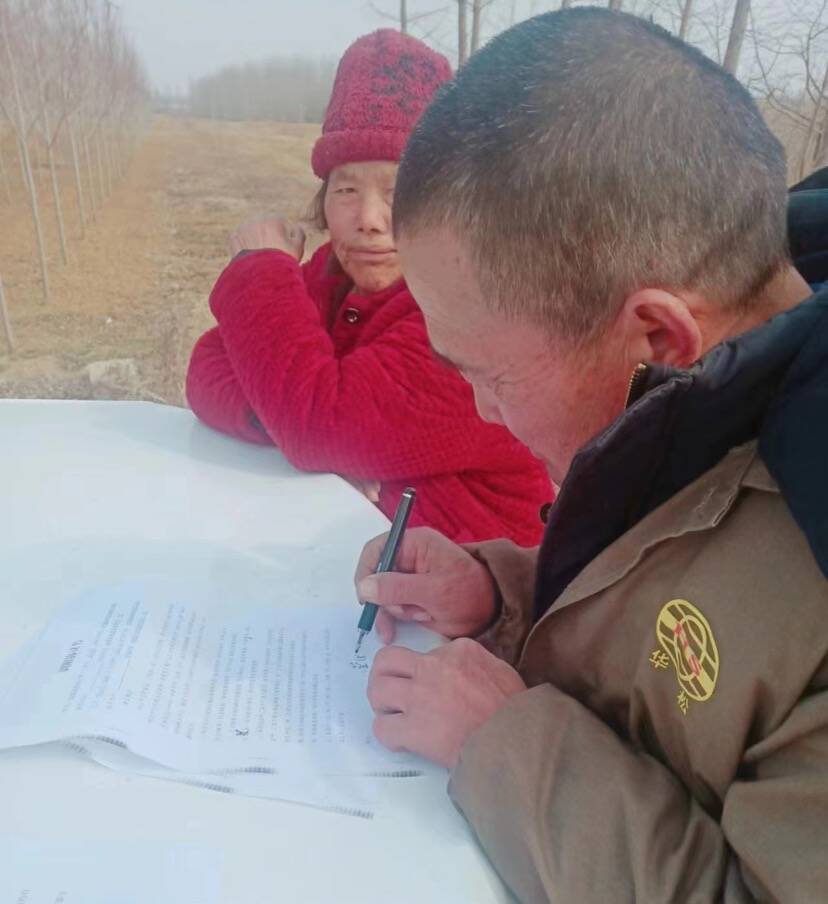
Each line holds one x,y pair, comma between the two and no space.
384,82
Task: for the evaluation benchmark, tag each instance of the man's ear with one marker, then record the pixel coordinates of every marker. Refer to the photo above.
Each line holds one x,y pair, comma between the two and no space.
660,328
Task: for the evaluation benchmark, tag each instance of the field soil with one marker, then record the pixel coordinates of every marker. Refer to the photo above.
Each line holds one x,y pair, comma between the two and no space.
128,307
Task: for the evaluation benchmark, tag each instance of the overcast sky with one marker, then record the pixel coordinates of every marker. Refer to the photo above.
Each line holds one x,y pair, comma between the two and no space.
183,39
180,40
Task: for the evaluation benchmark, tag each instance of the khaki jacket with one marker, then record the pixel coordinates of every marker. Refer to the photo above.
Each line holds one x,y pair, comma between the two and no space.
673,745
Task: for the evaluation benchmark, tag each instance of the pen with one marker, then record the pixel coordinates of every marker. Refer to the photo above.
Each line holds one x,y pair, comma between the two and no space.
387,559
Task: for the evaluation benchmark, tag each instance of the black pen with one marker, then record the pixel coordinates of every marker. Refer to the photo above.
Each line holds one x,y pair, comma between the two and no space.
387,559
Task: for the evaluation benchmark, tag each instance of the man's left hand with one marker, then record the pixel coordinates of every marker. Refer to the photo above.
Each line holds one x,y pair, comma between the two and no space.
430,703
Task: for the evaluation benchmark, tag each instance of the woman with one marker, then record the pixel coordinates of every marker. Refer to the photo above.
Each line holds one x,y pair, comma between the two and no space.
330,360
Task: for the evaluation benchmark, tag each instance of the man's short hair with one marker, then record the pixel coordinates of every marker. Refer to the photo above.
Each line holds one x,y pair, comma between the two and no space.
585,154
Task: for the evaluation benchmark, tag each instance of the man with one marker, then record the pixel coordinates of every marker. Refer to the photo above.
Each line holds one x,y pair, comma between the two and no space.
586,210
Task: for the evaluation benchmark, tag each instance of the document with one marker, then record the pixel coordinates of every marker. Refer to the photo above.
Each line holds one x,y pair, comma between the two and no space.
107,873
249,698
350,795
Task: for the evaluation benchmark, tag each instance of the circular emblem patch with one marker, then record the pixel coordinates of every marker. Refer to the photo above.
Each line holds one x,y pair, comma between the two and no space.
686,637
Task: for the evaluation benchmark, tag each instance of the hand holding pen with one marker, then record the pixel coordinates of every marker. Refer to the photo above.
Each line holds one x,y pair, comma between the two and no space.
387,559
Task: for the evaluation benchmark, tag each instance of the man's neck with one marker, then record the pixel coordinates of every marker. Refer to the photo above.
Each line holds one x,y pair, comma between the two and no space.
785,291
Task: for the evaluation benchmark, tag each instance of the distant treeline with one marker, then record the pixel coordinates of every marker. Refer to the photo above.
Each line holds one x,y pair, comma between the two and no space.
285,90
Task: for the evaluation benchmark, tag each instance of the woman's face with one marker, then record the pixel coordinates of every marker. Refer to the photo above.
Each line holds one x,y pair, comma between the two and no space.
358,210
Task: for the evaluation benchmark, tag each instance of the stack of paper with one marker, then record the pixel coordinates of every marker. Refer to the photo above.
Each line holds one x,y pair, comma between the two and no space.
251,699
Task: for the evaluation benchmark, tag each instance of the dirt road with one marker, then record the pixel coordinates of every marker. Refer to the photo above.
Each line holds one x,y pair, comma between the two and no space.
136,287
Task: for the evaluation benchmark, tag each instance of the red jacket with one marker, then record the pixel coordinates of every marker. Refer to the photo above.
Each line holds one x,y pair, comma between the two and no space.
354,389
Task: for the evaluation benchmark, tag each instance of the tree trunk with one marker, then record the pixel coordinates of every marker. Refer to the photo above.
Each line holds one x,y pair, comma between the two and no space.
565,4
512,10
93,202
108,162
23,178
34,160
404,16
5,177
43,163
477,15
99,161
4,319
78,184
50,159
64,250
686,12
616,4
120,158
27,166
35,209
806,158
462,33
737,36
821,148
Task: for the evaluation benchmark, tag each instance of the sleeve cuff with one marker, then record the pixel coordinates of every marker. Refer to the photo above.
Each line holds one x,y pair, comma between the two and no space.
513,571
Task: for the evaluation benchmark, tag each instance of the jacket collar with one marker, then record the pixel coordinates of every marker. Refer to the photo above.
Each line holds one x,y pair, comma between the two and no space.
328,282
808,226
770,384
698,507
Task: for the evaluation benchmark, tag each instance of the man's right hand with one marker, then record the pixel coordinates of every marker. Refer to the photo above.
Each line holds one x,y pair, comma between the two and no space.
437,583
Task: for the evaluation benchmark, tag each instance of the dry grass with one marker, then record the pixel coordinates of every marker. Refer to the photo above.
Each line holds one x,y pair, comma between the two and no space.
137,285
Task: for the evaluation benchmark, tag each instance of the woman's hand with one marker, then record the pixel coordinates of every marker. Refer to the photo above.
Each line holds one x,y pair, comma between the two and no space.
269,232
370,489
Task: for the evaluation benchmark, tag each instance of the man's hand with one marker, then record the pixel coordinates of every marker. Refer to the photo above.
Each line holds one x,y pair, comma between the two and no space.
269,232
437,583
430,703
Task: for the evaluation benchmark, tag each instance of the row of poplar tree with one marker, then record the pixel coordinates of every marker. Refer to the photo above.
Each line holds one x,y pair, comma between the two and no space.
73,96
